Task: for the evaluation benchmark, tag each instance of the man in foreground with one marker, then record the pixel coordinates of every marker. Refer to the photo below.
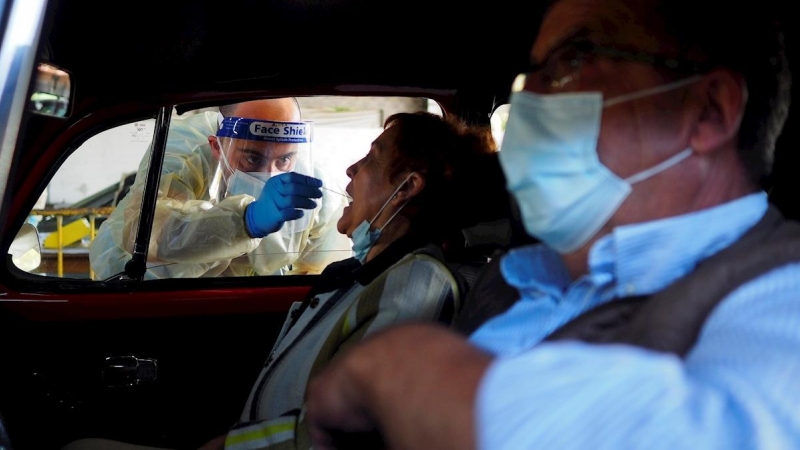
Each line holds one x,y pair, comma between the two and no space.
662,309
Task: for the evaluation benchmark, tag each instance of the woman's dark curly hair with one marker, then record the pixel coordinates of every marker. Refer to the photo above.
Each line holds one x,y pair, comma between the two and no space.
452,157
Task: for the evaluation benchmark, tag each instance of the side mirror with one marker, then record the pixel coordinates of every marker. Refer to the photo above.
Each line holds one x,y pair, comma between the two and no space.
26,249
51,93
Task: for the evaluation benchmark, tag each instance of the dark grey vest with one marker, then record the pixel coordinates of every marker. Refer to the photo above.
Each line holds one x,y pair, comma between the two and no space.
670,320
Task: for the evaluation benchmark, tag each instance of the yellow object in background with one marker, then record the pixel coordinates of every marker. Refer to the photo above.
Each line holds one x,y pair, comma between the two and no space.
71,233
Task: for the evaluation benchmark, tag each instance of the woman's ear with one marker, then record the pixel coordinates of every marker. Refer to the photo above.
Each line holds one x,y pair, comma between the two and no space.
413,185
215,150
723,99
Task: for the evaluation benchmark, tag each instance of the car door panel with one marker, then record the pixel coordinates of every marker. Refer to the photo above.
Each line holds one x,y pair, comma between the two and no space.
208,349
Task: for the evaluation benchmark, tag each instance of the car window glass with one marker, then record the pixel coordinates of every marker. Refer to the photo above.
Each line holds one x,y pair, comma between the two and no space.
80,196
498,121
97,194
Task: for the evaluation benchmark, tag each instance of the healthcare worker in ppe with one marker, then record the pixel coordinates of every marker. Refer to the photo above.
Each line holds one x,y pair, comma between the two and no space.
239,195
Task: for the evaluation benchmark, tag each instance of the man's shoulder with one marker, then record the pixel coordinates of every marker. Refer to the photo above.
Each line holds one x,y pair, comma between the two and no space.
188,138
771,242
207,120
194,129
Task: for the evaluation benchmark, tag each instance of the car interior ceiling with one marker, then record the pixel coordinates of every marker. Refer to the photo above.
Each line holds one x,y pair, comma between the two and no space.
186,47
187,43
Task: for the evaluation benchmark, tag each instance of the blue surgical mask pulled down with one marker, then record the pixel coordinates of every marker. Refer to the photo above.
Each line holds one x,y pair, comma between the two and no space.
364,238
549,157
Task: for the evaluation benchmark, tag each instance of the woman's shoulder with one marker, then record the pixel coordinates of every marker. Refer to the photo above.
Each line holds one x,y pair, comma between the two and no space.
431,250
424,279
430,263
429,259
427,254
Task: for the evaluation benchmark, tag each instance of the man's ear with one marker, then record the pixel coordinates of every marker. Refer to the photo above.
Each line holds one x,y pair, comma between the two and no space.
412,187
215,150
723,97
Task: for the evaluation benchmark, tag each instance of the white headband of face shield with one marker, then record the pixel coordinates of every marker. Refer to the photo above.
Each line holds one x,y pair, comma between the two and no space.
266,131
237,181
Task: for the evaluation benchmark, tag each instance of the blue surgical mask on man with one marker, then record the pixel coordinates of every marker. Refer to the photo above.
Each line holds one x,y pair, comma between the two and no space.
364,238
549,157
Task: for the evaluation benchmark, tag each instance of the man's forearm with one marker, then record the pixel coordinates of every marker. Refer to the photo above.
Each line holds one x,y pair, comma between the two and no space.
434,407
417,385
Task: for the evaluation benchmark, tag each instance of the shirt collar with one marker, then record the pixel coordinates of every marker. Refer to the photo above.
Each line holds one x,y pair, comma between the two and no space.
535,268
644,258
641,258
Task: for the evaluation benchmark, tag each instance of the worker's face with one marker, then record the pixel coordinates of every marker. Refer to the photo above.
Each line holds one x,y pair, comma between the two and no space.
255,156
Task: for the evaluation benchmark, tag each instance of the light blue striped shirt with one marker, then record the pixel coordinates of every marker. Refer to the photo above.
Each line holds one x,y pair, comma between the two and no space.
739,387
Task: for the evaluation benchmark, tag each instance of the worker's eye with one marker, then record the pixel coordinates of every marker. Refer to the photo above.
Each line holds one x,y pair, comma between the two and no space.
252,161
284,164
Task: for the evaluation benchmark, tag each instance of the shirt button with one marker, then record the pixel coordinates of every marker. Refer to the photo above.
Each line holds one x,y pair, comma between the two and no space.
630,288
314,302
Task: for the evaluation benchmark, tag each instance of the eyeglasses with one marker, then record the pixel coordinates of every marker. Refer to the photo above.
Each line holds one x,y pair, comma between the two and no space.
562,68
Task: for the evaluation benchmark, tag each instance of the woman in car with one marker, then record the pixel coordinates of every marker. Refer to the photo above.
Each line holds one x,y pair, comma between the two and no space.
408,193
412,189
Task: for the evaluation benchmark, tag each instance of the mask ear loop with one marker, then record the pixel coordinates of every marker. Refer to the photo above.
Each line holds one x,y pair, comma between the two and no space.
675,159
660,167
387,203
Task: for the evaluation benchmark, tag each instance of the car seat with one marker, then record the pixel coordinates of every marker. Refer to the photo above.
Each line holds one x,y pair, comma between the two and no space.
492,228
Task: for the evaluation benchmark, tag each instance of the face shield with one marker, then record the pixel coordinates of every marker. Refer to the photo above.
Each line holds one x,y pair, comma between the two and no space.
252,151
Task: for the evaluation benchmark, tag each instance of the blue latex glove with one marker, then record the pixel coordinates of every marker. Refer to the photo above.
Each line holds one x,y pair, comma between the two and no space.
281,200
